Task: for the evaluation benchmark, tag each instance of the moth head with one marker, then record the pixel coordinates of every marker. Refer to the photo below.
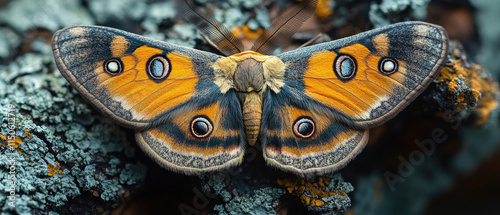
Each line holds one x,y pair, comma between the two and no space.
249,71
248,76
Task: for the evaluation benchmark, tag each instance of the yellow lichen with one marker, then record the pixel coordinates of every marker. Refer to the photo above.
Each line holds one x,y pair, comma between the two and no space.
28,134
324,8
317,202
484,90
53,169
310,193
17,141
4,142
247,33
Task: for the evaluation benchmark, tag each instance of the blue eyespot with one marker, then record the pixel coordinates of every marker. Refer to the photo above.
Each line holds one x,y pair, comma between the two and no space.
387,66
113,66
158,68
344,67
201,127
304,127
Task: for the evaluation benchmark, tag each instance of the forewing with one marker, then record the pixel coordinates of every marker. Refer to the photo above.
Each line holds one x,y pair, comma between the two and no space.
369,96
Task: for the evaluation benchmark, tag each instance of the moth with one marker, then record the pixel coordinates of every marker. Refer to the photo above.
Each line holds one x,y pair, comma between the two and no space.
195,111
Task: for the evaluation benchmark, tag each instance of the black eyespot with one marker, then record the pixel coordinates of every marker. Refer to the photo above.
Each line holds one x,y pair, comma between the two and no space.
113,66
304,127
387,66
201,127
158,68
345,67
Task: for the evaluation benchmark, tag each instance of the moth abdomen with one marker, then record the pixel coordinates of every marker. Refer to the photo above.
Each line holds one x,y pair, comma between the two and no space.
252,113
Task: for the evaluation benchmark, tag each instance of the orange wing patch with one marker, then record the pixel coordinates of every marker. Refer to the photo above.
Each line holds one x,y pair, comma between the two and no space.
144,97
289,114
181,151
119,46
356,97
331,147
215,113
381,43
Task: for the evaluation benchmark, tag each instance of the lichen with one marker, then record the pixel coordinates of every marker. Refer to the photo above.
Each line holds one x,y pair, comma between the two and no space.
113,10
247,33
324,8
24,15
259,201
54,169
9,40
389,11
57,135
157,14
326,194
63,150
471,92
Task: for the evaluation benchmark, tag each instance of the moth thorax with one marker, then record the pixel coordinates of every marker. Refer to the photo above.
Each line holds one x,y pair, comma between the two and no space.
252,112
249,76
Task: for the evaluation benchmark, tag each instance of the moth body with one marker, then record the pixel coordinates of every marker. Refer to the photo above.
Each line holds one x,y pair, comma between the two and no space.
249,71
250,74
248,81
252,114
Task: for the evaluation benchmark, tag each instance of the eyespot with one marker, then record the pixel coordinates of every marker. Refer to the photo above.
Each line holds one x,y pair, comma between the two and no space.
201,127
344,67
387,66
113,66
304,127
158,68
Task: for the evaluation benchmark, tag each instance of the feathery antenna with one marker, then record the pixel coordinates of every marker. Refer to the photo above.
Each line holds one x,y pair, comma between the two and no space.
283,27
220,36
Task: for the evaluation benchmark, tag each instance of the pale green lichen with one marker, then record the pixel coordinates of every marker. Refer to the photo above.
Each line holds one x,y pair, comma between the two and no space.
8,42
64,150
62,131
262,17
237,201
390,11
185,35
157,14
117,10
24,15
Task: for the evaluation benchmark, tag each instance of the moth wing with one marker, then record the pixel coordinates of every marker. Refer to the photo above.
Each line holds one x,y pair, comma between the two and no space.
342,104
131,97
330,147
157,89
371,94
173,146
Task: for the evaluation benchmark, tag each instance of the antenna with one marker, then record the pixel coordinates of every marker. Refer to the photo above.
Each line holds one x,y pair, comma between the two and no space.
210,28
283,27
